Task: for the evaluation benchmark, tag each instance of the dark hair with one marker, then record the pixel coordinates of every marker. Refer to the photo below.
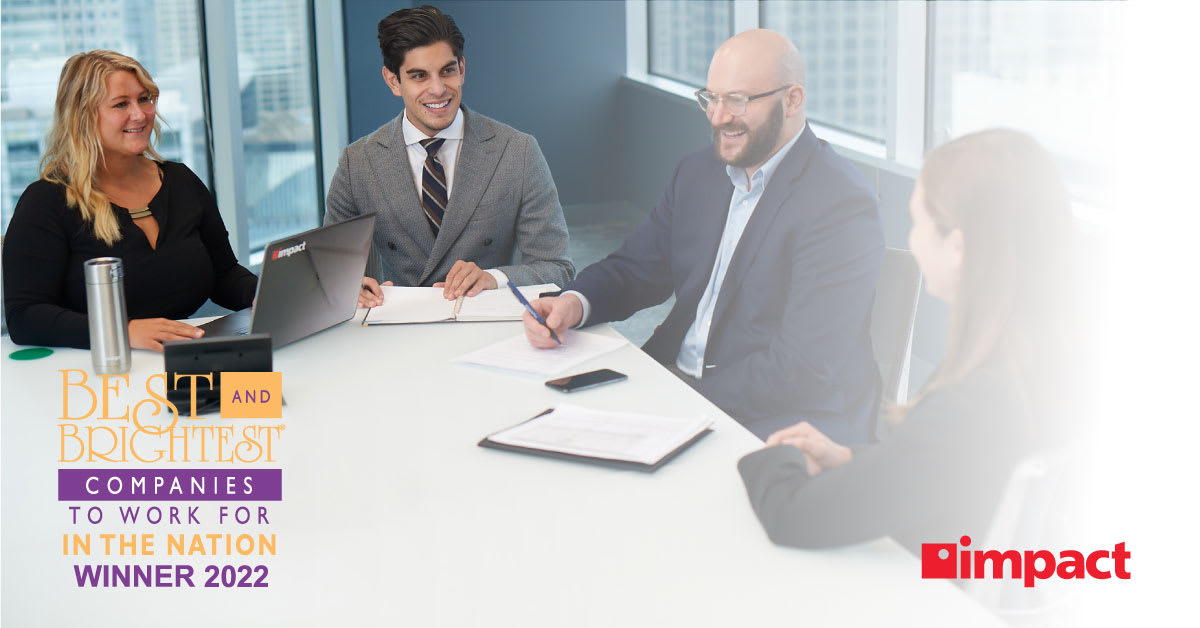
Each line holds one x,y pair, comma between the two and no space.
413,28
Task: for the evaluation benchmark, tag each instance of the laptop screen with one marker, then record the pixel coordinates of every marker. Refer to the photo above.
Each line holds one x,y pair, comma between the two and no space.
310,281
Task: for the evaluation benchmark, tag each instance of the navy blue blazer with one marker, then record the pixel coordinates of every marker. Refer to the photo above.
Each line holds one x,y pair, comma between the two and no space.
790,337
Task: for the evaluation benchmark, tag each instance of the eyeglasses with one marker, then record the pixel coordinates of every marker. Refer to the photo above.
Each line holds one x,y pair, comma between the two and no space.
735,104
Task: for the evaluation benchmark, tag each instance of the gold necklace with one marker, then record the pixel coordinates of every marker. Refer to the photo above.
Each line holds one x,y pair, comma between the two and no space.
139,213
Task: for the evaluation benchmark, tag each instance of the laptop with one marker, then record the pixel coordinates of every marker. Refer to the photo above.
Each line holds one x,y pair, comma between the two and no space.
309,282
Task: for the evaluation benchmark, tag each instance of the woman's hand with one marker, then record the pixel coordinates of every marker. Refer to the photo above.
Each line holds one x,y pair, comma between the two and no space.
820,453
150,333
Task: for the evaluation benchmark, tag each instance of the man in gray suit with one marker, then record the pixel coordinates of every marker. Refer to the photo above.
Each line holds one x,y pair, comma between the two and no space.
465,203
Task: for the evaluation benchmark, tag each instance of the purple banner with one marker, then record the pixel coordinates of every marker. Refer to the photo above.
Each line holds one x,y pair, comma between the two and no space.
172,485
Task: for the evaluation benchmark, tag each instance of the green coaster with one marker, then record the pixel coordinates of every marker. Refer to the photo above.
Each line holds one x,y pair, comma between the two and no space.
35,353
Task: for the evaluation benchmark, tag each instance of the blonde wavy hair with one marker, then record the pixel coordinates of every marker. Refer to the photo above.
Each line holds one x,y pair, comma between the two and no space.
73,150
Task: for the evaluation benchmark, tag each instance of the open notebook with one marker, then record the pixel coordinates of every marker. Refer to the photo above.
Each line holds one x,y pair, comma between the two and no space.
427,305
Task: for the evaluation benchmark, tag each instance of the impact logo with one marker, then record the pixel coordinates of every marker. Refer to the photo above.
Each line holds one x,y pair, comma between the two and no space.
289,251
944,560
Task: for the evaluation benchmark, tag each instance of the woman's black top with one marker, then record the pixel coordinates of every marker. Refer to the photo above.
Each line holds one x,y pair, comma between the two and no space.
937,477
47,243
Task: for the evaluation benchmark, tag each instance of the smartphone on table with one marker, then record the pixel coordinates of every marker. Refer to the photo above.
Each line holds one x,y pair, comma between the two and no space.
572,383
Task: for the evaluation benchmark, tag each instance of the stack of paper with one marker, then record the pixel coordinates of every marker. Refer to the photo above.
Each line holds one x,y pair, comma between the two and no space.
427,305
593,434
516,354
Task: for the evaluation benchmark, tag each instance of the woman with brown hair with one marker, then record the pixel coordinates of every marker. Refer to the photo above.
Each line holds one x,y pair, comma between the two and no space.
105,192
991,231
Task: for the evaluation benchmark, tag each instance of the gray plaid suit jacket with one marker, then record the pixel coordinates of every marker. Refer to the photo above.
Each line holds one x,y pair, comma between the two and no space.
503,211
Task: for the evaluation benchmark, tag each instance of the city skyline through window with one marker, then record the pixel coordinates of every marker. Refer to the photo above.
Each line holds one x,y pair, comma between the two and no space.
40,35
281,190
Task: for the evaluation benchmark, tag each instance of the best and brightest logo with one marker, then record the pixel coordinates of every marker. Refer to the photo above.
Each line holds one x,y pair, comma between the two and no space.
943,560
289,251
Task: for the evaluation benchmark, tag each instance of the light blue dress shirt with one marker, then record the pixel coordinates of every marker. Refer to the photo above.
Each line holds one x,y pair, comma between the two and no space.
746,195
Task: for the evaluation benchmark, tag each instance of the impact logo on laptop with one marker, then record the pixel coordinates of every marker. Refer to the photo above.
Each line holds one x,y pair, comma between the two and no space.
289,251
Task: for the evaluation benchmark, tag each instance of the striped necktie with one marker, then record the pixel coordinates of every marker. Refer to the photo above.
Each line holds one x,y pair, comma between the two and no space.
433,184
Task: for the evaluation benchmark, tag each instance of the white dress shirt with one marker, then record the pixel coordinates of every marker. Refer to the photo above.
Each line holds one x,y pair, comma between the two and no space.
447,155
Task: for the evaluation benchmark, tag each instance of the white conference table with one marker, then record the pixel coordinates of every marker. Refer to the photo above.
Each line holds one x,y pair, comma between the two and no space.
392,515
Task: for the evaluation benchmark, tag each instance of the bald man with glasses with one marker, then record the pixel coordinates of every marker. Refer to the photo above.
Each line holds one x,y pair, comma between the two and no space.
771,244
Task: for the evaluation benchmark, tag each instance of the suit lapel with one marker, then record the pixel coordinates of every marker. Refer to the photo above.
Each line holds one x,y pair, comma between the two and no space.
395,169
706,239
779,190
478,157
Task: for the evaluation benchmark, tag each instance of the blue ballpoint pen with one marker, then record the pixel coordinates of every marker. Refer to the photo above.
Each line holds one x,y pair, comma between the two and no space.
536,316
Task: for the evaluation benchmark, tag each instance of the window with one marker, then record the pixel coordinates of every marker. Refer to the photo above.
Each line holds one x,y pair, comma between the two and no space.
889,81
282,193
274,187
1049,69
39,36
684,34
838,40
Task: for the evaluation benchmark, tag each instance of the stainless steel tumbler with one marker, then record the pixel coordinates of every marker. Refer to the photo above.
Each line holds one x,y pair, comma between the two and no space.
107,322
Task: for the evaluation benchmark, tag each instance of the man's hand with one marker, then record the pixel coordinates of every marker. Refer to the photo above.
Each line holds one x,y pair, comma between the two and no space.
372,294
465,278
560,313
820,453
150,333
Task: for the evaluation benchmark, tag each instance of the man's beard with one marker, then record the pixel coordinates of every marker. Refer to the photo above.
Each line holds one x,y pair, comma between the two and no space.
760,142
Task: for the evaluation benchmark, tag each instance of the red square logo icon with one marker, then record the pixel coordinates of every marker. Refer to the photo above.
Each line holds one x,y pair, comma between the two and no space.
938,560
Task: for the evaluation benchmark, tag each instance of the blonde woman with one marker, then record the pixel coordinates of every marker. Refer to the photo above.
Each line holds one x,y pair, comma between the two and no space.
104,191
991,232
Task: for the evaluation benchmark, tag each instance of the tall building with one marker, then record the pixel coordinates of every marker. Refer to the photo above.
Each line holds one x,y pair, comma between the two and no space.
272,40
843,44
1050,69
276,70
37,37
275,79
684,35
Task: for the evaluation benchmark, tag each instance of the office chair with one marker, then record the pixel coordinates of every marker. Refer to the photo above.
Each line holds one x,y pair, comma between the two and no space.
1035,511
892,319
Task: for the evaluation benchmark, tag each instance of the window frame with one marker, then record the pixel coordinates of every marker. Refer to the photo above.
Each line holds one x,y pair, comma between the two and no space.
223,108
906,87
910,28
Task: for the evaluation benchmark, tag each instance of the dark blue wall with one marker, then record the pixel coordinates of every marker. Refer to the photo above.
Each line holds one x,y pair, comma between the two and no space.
658,129
369,102
551,69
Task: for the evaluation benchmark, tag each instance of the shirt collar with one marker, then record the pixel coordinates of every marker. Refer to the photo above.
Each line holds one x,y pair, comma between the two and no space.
412,134
763,174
